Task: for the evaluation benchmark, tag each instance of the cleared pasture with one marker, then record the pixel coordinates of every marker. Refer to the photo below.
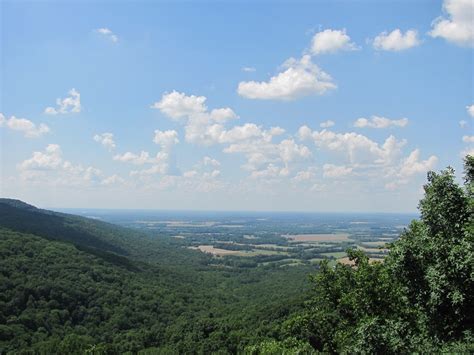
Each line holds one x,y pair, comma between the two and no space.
225,252
379,243
336,255
316,238
215,251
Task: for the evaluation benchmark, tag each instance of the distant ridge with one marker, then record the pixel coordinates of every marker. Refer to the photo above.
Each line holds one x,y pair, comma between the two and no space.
22,217
17,204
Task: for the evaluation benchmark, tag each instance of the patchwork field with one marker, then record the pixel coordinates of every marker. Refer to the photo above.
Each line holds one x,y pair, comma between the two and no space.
374,244
261,239
339,237
257,252
215,251
225,252
336,255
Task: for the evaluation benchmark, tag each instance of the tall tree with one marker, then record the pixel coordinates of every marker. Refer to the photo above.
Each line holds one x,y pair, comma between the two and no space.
420,299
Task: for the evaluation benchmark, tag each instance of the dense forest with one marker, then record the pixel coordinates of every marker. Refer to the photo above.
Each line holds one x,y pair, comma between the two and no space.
73,285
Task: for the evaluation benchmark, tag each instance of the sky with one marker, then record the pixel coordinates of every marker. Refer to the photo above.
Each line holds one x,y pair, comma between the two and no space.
325,106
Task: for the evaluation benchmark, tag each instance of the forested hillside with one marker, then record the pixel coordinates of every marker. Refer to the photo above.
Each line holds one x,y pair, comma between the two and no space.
70,284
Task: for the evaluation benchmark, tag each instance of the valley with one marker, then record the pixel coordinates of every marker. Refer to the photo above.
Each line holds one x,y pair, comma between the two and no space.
263,239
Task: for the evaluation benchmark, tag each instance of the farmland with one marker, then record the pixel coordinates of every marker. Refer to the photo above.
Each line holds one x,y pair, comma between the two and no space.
268,239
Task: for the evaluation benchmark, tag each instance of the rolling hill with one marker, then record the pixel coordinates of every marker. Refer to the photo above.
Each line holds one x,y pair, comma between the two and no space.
70,284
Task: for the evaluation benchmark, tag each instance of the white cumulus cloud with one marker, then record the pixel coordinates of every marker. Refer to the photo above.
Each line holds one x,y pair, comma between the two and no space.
331,41
201,125
469,149
157,168
380,122
166,139
50,167
356,147
49,159
457,26
28,128
271,171
113,180
304,175
298,78
107,33
396,40
289,151
140,159
208,161
268,159
408,167
70,104
335,171
470,110
327,124
106,139
178,105
413,165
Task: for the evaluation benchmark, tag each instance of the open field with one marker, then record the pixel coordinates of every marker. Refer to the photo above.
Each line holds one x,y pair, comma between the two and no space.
373,244
225,252
262,239
283,262
336,255
215,251
260,252
270,246
339,237
189,224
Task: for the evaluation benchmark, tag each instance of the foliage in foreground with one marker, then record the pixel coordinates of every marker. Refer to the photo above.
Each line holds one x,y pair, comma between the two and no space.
420,299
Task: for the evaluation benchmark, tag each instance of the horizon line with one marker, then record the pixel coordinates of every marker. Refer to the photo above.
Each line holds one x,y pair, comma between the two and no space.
229,211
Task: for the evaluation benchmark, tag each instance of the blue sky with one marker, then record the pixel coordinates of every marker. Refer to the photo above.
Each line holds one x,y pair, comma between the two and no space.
305,106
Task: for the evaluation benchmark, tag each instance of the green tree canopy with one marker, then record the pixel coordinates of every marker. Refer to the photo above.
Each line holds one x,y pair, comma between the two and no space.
420,298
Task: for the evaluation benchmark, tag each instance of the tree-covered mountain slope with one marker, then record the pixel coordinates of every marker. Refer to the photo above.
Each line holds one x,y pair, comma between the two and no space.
71,285
52,291
98,237
22,217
